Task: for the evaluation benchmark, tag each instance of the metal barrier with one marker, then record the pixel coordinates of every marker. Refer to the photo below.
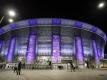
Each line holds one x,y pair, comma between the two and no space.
36,66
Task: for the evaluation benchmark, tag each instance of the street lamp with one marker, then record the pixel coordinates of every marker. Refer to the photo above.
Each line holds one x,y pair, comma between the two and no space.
10,20
101,4
10,13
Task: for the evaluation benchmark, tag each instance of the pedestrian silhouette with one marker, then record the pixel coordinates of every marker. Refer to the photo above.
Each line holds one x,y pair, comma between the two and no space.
72,66
50,64
19,68
15,68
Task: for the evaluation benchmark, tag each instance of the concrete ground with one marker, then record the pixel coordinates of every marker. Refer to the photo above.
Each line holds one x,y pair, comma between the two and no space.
54,75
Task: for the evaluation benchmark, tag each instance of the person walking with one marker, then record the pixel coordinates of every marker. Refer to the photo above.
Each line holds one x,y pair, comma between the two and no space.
19,68
72,66
50,64
15,68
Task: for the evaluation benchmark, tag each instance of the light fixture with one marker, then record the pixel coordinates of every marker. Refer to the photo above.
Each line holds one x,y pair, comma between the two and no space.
10,20
101,4
11,13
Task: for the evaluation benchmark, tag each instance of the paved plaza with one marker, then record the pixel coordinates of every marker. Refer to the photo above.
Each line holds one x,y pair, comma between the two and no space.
54,75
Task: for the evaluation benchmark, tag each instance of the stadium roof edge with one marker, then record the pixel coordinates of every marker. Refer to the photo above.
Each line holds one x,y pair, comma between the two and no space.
53,21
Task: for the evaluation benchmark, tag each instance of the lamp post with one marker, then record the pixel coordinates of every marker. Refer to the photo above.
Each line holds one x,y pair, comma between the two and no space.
1,19
11,13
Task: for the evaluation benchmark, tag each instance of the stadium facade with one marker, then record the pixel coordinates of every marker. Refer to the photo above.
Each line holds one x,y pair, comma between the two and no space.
53,39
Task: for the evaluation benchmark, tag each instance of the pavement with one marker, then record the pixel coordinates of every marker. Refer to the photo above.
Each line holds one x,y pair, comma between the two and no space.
54,75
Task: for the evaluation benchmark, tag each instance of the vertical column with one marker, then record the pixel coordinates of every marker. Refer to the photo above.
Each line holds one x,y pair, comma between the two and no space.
100,50
11,49
56,49
99,53
79,51
94,46
31,49
1,43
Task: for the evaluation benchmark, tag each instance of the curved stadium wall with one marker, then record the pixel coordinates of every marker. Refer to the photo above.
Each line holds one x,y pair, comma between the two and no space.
54,39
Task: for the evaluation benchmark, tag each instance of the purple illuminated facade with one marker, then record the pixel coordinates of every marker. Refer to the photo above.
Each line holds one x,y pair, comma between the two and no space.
31,49
1,43
79,50
56,49
95,51
11,50
52,39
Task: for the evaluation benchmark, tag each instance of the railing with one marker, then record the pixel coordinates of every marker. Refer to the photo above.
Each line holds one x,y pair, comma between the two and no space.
36,66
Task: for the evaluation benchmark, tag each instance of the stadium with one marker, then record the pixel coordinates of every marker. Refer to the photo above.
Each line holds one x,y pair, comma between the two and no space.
59,41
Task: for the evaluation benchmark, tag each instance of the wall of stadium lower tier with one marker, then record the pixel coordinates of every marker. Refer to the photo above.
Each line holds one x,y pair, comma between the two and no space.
51,43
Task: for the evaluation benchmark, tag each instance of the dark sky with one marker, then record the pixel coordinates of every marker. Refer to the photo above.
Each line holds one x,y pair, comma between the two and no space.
82,10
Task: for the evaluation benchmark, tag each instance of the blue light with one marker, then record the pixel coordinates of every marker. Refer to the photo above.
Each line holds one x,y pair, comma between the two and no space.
93,29
78,24
56,49
102,34
79,50
1,31
53,21
94,45
31,49
12,26
32,22
11,49
56,21
1,44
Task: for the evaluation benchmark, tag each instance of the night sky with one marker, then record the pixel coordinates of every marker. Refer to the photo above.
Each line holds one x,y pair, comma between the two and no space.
82,10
